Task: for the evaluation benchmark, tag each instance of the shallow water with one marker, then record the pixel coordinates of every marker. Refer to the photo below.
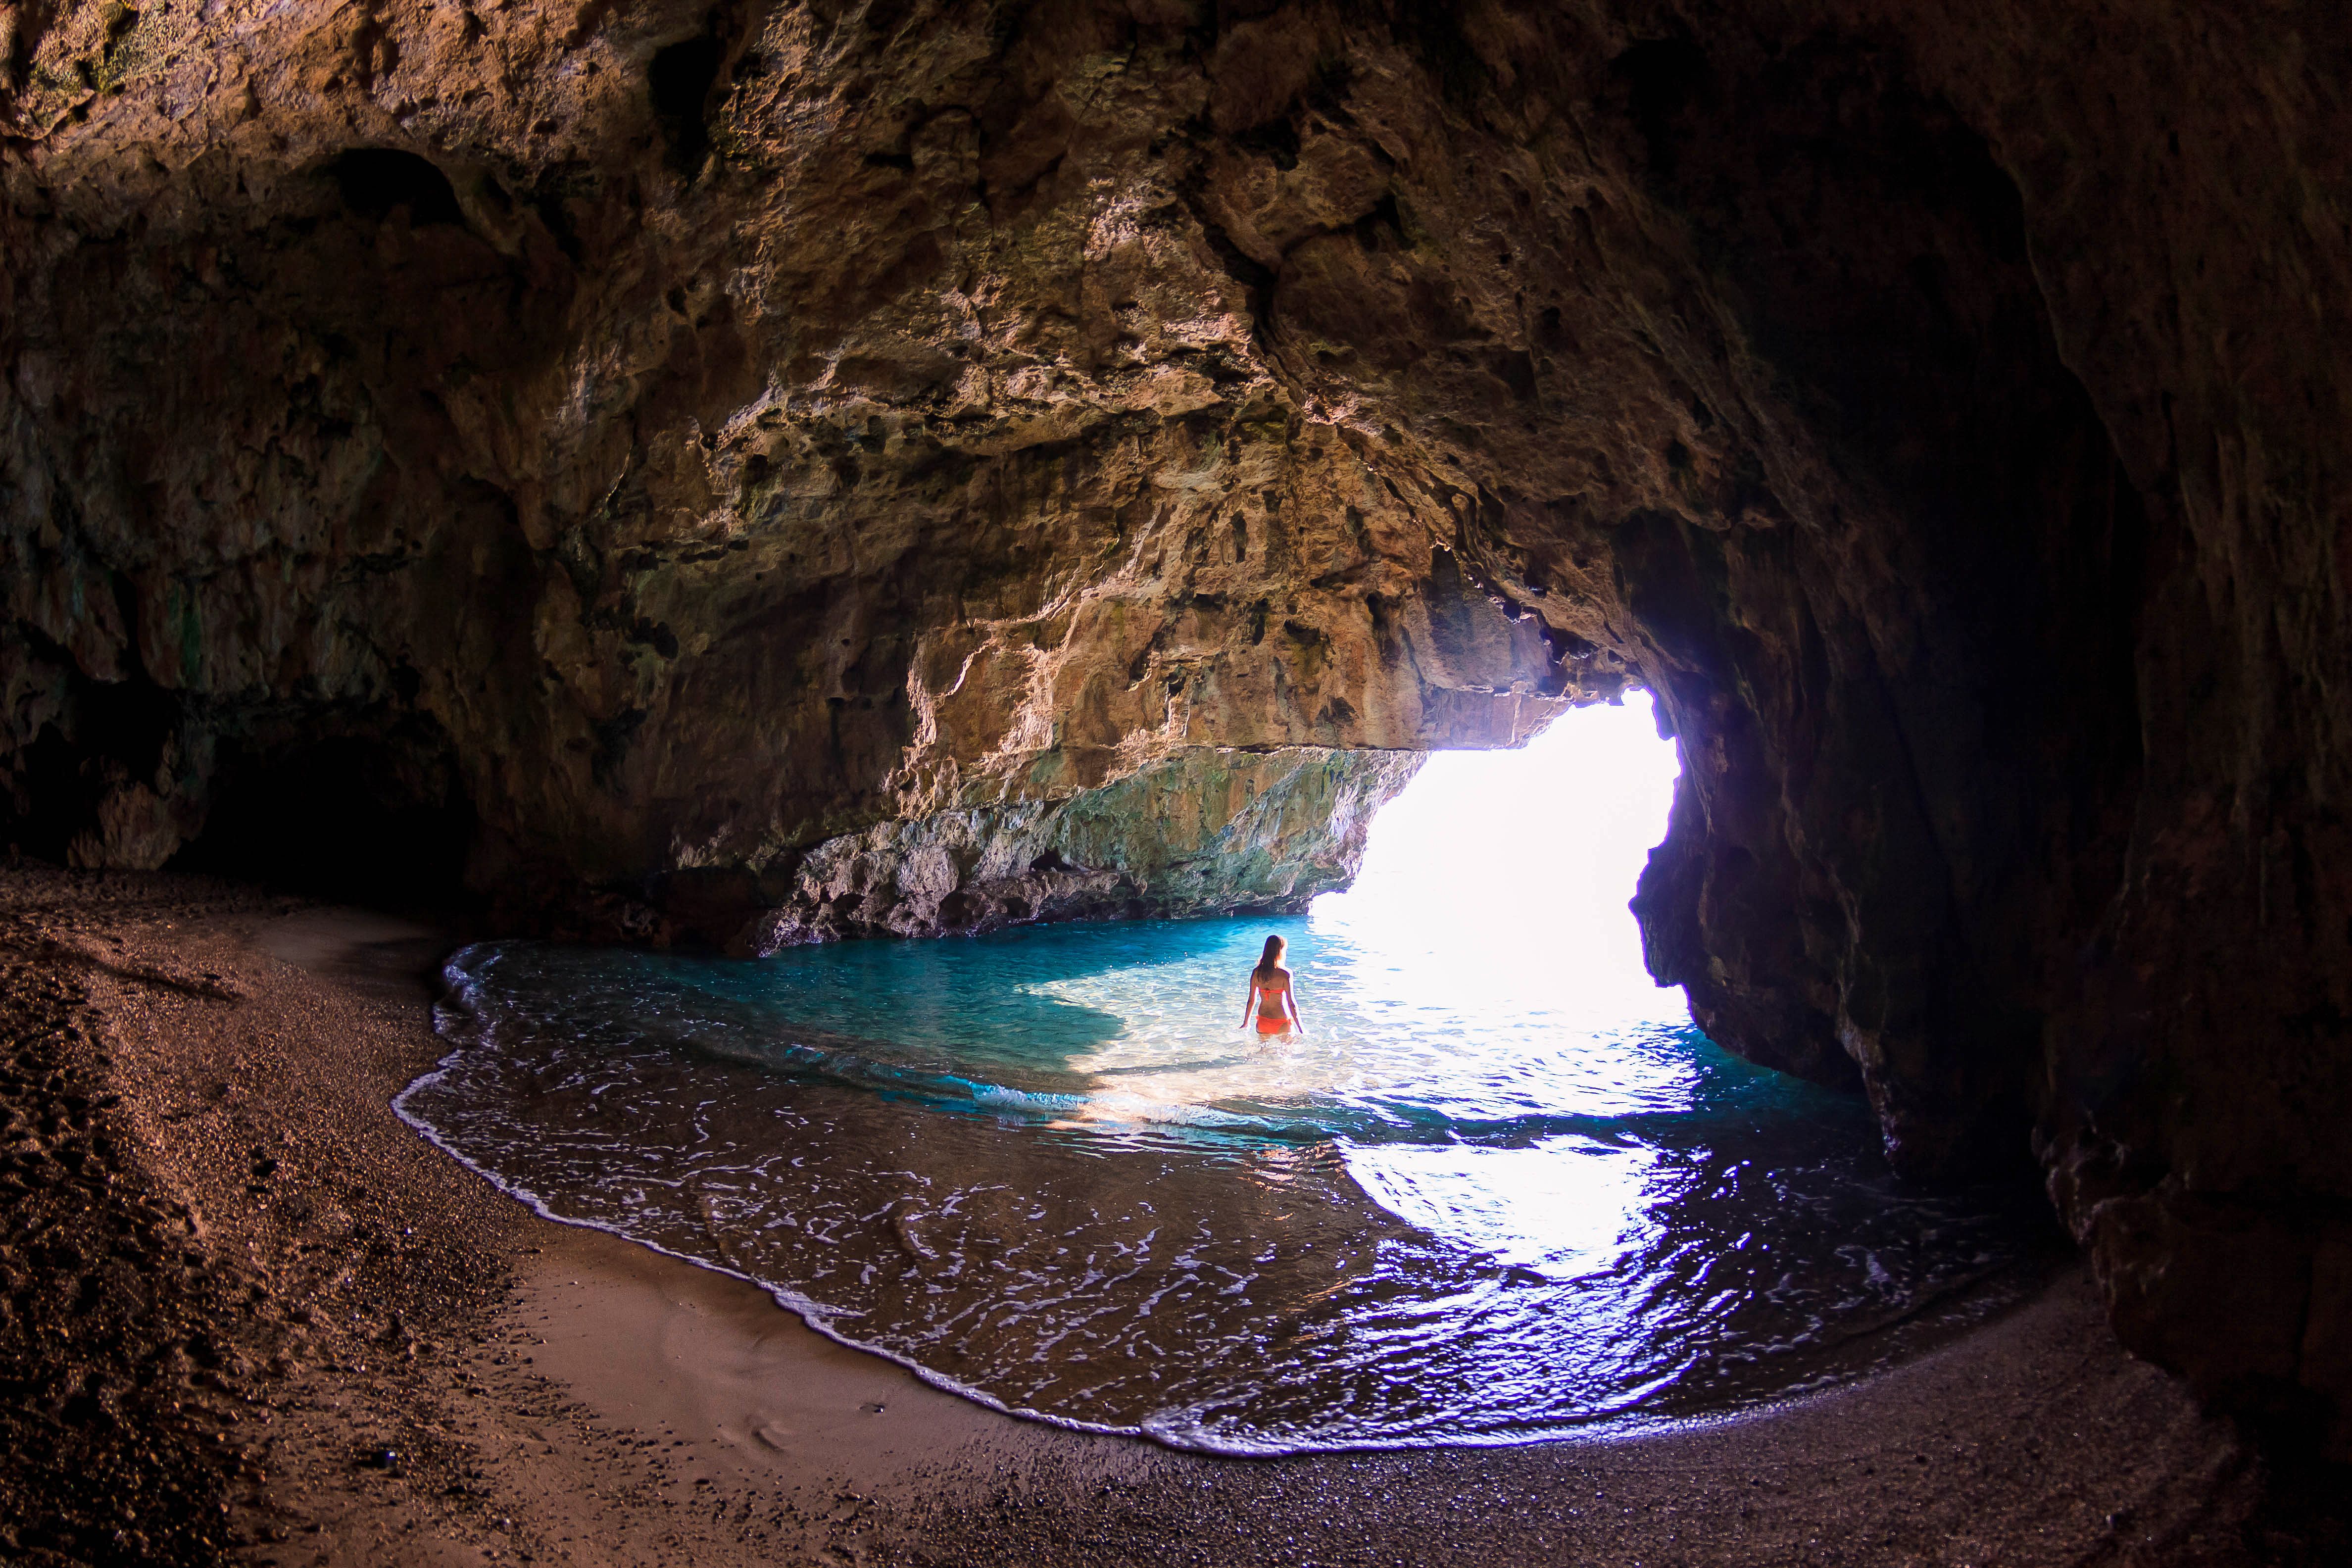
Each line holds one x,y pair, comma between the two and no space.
1498,1193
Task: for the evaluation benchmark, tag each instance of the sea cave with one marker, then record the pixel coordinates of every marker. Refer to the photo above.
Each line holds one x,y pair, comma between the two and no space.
801,546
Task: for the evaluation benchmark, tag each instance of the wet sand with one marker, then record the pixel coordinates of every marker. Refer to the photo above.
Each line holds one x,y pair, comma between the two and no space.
345,1348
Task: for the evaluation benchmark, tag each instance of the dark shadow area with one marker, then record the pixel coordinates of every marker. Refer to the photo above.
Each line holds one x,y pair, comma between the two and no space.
1876,251
121,732
679,79
51,806
376,181
342,818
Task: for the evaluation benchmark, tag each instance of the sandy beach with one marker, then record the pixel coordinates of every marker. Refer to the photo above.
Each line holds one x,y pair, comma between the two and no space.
253,1315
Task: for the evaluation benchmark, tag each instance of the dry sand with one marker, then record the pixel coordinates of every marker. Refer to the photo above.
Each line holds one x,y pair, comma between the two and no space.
317,1340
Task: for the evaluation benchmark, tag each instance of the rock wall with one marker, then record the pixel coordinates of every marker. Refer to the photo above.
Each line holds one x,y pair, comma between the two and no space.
768,467
1199,833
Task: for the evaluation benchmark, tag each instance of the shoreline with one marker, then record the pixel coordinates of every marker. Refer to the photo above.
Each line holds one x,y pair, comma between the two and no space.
391,1362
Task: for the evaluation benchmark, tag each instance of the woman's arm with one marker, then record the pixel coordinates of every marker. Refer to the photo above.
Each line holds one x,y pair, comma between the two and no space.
1290,997
1249,1000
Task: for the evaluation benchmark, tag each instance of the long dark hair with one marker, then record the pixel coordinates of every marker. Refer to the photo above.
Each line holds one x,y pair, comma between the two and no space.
1270,960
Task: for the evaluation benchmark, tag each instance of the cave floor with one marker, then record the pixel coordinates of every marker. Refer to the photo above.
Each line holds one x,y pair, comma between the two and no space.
251,1315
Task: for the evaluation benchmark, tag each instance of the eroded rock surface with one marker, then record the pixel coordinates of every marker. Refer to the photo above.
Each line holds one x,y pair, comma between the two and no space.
1200,832
718,468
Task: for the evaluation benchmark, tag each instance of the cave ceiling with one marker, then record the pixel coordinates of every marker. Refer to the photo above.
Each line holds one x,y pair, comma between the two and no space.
757,473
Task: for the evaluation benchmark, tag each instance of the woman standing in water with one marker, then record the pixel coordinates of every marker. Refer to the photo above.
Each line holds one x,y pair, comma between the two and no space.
1270,993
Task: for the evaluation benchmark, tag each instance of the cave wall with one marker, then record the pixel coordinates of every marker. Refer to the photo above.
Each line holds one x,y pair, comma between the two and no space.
1205,831
769,470
542,453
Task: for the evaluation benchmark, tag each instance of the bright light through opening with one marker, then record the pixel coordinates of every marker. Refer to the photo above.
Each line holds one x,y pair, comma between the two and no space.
1507,873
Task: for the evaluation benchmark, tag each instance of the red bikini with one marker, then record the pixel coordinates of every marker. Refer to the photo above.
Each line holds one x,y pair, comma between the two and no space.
1270,996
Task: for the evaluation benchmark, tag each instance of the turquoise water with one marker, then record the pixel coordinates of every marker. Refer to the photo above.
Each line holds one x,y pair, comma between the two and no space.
1501,1190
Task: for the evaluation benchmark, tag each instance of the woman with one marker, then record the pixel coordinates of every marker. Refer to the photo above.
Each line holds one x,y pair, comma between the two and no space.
1270,993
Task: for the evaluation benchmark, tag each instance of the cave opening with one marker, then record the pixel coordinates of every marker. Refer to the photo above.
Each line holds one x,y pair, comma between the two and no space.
1507,873
352,819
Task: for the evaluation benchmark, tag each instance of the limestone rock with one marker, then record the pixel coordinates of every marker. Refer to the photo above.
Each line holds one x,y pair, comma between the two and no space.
1198,833
715,464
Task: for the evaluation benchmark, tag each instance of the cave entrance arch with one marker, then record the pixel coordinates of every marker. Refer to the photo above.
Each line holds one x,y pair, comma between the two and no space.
1508,872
